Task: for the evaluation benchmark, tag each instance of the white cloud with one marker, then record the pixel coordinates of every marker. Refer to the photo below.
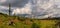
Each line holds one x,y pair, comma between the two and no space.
4,7
22,11
25,10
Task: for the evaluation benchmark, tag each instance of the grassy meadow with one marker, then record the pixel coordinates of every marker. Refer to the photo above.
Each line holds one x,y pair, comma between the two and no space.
23,22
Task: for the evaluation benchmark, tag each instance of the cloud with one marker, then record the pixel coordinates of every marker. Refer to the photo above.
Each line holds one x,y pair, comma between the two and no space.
20,4
46,8
4,9
25,10
38,8
21,11
1,1
15,3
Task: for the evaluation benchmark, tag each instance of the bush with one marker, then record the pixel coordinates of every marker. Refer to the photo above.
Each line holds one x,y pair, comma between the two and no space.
21,18
34,25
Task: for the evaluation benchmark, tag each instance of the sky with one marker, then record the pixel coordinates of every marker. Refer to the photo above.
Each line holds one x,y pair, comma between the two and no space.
35,8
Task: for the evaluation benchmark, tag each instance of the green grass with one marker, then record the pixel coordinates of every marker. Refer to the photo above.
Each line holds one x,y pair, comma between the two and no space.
22,22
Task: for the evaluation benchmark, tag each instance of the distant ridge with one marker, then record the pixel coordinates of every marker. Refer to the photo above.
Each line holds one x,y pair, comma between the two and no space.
54,18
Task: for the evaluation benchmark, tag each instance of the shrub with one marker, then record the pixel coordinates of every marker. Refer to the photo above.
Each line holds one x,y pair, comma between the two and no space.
34,25
21,18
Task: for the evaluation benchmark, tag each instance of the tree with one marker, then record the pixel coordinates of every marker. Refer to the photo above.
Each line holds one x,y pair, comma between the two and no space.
9,8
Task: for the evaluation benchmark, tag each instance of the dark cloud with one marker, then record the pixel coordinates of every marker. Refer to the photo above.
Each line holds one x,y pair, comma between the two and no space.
15,3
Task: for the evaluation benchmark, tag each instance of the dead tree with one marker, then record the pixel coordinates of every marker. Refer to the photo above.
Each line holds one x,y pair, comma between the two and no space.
10,22
9,8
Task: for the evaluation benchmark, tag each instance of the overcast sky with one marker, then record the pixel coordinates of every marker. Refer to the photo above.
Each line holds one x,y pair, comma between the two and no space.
33,7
